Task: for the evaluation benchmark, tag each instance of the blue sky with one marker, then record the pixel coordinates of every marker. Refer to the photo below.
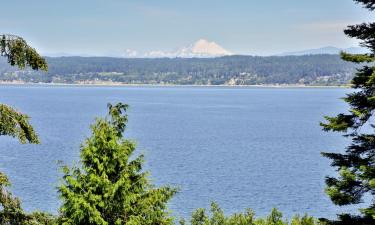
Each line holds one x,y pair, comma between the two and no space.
256,27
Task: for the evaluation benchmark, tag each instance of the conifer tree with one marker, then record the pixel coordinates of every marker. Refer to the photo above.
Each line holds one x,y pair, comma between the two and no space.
356,166
110,186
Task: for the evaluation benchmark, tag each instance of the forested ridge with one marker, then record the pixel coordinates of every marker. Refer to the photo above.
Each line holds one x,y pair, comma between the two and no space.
229,70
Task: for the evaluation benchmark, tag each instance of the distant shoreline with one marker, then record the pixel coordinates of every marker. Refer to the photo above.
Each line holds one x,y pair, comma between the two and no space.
117,84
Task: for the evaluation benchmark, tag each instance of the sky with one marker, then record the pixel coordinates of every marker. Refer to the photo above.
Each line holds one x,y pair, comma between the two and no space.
250,27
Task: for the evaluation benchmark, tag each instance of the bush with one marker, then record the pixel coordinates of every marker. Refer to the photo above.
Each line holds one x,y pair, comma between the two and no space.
217,217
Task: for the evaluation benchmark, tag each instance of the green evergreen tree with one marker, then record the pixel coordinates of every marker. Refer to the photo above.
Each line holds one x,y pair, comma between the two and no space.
356,166
110,186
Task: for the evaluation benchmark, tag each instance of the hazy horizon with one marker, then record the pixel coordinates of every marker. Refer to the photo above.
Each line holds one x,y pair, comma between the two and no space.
246,28
313,51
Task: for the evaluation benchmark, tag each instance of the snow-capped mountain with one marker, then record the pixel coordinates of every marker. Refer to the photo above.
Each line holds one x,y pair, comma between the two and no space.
129,53
200,49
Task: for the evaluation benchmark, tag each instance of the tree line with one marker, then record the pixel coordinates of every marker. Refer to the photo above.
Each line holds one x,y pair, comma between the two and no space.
228,70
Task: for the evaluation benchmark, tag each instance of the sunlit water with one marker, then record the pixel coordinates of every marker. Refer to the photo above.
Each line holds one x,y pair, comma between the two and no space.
253,148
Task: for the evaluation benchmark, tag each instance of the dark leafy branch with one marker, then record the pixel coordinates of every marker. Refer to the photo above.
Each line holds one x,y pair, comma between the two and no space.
17,125
20,54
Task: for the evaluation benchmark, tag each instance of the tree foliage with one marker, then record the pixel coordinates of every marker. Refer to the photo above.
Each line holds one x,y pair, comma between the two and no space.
16,124
11,212
216,216
369,4
356,166
20,54
110,187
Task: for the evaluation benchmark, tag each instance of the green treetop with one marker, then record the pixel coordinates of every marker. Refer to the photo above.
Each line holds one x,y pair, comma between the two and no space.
110,187
216,216
356,166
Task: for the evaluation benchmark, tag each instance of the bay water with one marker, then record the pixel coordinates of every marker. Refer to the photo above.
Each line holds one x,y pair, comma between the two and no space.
242,147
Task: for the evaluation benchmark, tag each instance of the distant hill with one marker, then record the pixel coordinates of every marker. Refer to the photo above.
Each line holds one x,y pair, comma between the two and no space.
327,50
228,70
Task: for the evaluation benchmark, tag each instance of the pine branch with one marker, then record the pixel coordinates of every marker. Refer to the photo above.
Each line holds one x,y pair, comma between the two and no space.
16,124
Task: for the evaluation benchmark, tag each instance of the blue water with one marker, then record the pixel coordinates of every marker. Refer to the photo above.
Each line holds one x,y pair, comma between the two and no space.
242,147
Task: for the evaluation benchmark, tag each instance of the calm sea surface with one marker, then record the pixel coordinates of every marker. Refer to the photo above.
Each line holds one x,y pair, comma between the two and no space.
253,148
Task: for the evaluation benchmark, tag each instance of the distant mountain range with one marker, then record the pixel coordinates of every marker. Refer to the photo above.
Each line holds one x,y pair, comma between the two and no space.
327,50
199,49
208,49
